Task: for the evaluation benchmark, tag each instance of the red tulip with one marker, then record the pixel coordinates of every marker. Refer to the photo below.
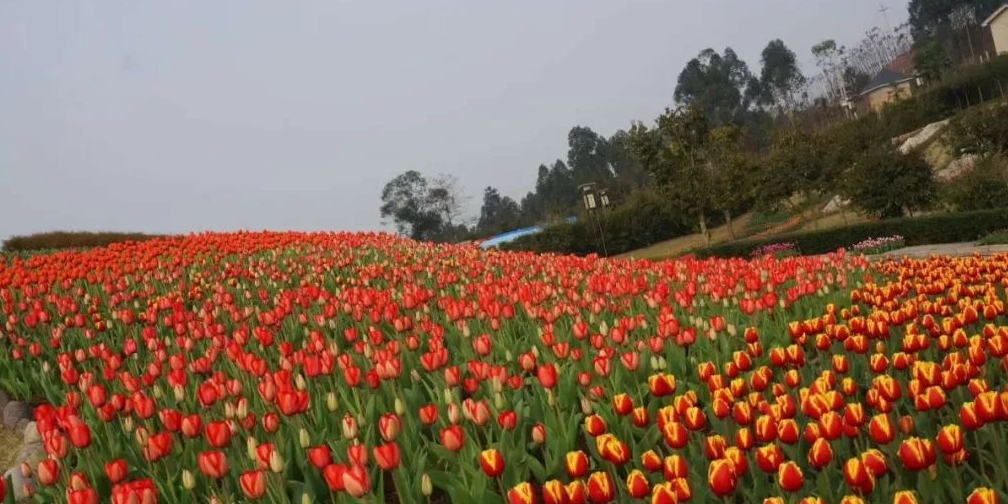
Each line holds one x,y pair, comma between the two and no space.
789,477
600,488
116,470
983,495
81,496
214,464
950,439
521,493
547,375
492,462
389,426
320,456
554,492
637,484
48,472
721,477
333,474
253,484
387,456
453,438
356,481
576,463
917,453
820,454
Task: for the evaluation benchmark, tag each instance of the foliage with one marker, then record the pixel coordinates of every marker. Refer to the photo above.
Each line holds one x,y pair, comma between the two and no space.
999,237
932,61
983,187
643,219
71,240
885,183
718,85
922,230
928,16
422,209
780,77
498,213
979,130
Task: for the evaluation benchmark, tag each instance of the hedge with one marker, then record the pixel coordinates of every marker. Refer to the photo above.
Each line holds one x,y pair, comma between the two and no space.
70,240
643,220
925,230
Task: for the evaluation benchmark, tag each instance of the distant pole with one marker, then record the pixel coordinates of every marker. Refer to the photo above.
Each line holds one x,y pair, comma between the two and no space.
885,16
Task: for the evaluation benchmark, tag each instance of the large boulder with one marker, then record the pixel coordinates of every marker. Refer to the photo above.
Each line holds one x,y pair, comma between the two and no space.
14,412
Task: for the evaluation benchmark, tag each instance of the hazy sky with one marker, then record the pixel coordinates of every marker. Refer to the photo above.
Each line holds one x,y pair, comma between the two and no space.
188,115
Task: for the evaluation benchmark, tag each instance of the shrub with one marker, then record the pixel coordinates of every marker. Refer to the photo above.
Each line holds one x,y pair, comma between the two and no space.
979,130
935,228
70,240
885,183
983,187
644,219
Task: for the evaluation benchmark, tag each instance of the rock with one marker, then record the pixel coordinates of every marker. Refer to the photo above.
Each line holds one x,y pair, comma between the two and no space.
923,136
958,167
4,399
22,424
18,483
835,204
15,411
31,434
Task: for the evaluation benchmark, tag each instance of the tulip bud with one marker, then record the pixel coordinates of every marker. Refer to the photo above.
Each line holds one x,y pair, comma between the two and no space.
276,462
331,402
229,411
303,438
242,409
156,391
550,398
400,406
300,382
507,356
449,398
128,424
426,487
586,406
179,393
188,480
250,448
499,401
349,427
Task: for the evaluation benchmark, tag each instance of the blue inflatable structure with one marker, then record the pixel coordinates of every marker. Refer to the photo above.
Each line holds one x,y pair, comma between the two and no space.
514,235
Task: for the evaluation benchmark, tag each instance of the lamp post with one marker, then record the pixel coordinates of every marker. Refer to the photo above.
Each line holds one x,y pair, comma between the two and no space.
594,199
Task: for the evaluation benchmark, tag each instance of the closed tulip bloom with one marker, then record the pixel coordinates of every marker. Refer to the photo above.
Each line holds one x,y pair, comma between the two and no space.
81,496
356,481
387,456
48,471
637,484
538,433
855,473
576,463
820,454
721,477
492,462
453,438
983,495
253,484
389,426
600,488
789,477
675,466
577,492
875,461
651,461
664,493
774,500
116,470
522,493
950,439
320,456
852,499
547,375
554,492
769,458
333,474
213,464
881,429
905,497
917,453
595,425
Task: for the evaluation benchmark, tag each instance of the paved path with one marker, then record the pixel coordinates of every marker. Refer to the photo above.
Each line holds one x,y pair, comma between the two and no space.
949,249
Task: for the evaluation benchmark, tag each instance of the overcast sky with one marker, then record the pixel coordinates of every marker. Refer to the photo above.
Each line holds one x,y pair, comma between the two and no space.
188,115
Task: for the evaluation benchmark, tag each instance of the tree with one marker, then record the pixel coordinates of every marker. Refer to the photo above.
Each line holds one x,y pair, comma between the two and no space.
422,209
927,17
984,187
587,156
731,172
715,84
780,78
630,175
405,201
931,60
796,172
885,183
498,213
828,59
675,152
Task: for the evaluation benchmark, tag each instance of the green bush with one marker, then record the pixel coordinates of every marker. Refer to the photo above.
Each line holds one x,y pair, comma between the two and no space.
885,183
935,228
979,130
70,240
983,187
644,219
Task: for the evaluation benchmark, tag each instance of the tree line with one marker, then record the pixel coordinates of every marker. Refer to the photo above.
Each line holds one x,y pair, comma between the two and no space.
736,140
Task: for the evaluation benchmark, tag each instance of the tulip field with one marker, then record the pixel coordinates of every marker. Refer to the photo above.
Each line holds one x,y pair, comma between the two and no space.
354,367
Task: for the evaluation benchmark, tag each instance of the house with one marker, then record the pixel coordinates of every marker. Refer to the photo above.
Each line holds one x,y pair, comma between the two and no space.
888,86
998,25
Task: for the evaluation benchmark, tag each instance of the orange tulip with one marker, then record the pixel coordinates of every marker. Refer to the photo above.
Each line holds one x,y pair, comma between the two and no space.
600,488
721,477
637,484
492,462
789,477
522,493
983,495
576,463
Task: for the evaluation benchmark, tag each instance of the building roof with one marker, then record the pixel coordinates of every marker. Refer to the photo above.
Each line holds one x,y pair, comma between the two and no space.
995,15
886,78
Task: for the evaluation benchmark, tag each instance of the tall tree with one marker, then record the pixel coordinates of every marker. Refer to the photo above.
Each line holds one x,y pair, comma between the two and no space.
715,84
630,175
498,213
587,156
676,152
405,200
781,78
927,17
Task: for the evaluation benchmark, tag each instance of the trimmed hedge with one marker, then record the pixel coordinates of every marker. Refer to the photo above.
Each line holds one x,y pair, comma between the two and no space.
70,239
643,220
929,229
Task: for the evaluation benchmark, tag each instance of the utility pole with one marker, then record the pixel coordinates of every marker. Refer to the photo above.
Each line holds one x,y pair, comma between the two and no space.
884,10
